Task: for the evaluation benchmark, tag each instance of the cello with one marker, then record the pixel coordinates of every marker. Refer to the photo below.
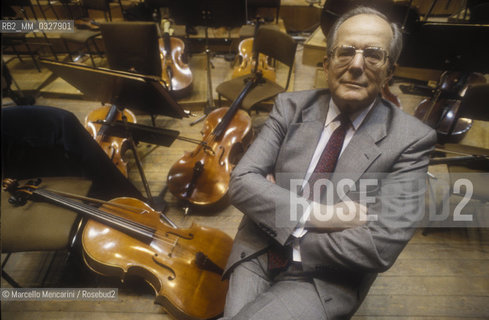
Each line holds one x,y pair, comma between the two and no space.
126,237
440,111
175,74
114,147
201,177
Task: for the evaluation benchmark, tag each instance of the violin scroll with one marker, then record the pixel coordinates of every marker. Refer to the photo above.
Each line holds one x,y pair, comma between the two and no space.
19,195
10,185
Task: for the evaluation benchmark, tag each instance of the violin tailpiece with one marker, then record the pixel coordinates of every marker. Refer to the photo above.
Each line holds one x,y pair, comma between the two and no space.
204,263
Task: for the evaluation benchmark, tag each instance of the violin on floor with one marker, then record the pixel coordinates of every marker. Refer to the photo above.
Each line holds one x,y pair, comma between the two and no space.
114,147
125,237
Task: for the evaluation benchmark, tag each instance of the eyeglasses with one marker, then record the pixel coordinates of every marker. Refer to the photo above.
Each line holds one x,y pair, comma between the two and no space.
374,57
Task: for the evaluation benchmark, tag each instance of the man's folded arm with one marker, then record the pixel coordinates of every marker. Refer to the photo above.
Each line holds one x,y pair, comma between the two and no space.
397,211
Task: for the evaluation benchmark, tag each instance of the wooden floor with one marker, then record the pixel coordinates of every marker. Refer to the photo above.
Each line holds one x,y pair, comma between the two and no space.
443,275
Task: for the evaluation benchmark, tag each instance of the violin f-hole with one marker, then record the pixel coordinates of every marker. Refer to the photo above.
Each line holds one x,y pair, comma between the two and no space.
170,277
222,155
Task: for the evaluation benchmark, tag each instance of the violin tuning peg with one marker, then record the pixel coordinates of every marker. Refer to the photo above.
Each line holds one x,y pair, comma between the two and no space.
17,200
12,200
10,185
34,183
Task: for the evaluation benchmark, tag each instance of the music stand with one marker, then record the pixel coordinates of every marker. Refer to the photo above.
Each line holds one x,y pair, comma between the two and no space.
130,90
119,88
218,13
140,132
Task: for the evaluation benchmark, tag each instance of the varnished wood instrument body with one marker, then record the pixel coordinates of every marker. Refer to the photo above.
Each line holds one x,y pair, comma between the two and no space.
175,73
248,62
202,176
168,260
127,237
114,147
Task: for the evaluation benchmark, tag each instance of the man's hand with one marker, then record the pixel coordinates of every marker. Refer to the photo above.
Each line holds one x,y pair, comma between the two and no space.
270,177
343,215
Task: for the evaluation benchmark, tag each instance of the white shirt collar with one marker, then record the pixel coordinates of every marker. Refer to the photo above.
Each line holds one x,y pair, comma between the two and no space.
356,118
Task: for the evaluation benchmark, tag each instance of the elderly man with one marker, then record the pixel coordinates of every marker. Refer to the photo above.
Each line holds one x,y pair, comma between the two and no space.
306,252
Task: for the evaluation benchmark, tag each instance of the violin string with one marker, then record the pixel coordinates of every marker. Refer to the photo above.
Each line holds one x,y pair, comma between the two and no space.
141,229
117,220
93,200
148,232
191,140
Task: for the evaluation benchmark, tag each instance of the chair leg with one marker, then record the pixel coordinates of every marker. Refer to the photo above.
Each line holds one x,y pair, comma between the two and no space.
17,53
68,49
67,8
42,10
33,12
122,9
53,10
99,52
10,280
90,54
6,276
50,45
43,282
32,56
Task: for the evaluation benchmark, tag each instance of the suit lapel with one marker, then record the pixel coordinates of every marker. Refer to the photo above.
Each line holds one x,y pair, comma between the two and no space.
312,127
301,141
362,149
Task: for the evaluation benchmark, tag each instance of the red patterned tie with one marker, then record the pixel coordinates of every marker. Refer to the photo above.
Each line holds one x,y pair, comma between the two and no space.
278,259
329,156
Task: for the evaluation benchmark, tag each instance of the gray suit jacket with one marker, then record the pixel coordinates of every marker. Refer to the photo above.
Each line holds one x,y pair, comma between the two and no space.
389,145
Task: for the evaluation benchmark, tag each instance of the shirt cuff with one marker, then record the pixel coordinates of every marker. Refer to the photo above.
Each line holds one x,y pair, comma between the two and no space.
300,230
298,233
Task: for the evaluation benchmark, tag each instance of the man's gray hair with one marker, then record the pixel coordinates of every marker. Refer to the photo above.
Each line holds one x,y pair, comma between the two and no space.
396,43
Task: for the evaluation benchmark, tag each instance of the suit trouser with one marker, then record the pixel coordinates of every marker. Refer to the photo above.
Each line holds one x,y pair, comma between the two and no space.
254,295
